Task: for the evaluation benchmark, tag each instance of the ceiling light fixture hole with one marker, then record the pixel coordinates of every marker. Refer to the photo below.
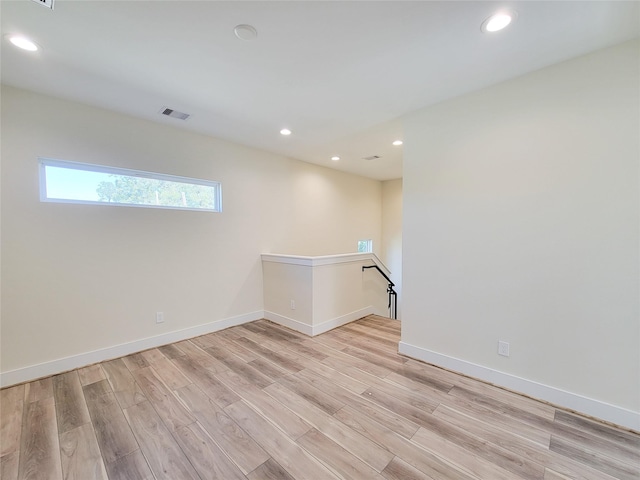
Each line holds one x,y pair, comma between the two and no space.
499,21
23,43
245,32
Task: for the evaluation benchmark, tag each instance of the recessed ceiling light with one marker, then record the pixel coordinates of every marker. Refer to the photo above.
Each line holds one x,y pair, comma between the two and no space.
335,158
397,143
498,21
245,32
285,131
23,42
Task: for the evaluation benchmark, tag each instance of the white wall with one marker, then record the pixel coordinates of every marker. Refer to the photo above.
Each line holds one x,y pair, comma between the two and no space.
521,223
79,278
392,234
326,291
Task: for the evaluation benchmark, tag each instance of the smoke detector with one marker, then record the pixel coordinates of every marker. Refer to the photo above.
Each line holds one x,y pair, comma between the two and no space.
372,157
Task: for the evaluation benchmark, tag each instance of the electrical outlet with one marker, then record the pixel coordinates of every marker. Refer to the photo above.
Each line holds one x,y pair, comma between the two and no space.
503,348
159,317
293,304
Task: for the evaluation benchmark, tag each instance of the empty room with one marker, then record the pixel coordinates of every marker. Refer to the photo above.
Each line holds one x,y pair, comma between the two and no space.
319,240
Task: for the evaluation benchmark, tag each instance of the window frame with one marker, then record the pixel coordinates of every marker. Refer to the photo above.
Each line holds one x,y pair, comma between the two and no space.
368,242
44,162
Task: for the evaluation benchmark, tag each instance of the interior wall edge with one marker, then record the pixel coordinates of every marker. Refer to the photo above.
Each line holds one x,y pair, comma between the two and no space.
561,398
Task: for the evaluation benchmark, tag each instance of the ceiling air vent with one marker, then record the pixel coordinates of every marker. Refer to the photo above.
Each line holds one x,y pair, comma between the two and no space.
169,112
372,157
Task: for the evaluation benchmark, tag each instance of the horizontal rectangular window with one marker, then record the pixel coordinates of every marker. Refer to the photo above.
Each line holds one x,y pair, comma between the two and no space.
72,182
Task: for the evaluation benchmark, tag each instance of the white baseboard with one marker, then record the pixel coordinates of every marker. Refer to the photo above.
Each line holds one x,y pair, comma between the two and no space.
594,408
313,330
289,323
342,320
53,367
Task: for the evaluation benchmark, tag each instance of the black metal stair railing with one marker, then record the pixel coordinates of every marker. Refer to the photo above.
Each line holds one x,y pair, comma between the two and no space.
393,296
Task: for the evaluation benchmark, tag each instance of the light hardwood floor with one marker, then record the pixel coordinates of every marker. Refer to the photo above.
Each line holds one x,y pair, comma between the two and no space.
263,402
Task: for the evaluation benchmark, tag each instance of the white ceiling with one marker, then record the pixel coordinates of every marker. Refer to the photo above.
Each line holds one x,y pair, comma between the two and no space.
339,74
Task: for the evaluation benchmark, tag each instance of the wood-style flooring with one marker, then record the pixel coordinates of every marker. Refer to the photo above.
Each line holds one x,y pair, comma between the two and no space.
260,401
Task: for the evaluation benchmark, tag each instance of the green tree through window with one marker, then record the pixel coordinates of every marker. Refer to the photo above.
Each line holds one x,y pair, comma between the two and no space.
71,182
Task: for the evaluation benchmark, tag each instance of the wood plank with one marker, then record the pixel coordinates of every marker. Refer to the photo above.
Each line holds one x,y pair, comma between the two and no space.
201,358
239,367
38,390
357,444
71,407
384,348
135,361
313,395
12,394
416,415
166,459
413,374
511,439
171,351
234,441
433,371
153,355
340,460
462,458
270,369
206,380
39,446
476,454
551,475
421,459
91,374
422,400
375,335
386,417
603,463
230,333
624,438
9,465
285,332
293,458
206,457
11,409
270,470
241,352
277,358
111,428
520,401
266,405
505,422
166,371
398,469
581,437
130,467
388,362
81,459
337,378
124,386
170,410
339,360
302,350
